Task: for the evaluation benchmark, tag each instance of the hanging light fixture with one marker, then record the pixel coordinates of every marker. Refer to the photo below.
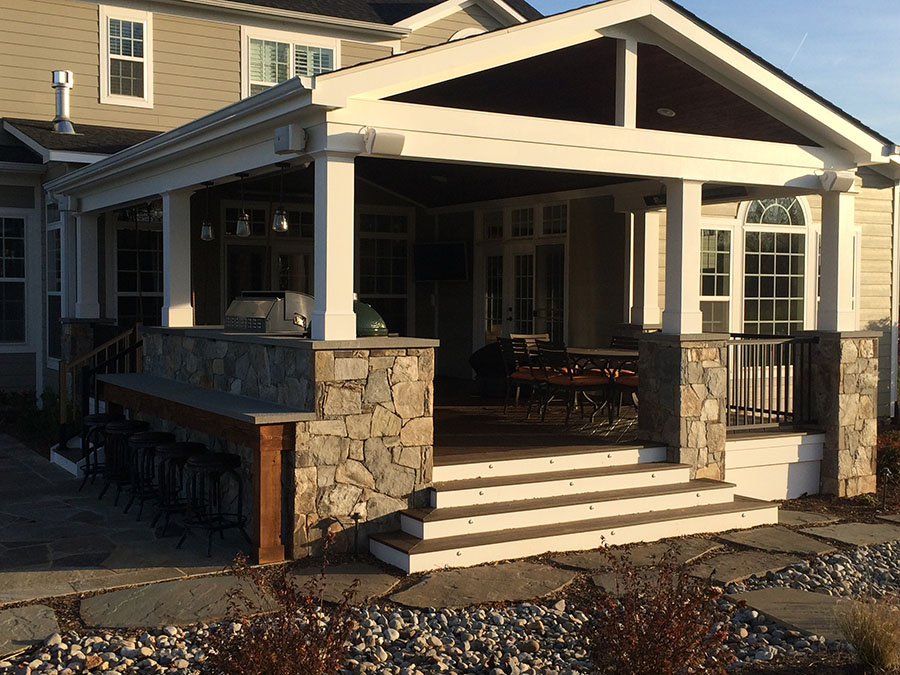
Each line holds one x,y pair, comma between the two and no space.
243,220
280,221
206,227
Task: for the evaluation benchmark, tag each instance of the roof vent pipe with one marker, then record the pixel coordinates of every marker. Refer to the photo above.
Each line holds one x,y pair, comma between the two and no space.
62,83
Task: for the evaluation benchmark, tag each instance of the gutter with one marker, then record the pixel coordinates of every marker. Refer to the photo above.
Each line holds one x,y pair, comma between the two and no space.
130,156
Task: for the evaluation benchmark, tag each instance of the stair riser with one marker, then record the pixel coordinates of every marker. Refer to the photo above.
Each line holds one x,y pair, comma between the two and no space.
556,488
563,514
519,467
573,542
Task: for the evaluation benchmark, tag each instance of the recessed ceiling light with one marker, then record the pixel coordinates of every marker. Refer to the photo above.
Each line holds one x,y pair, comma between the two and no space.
665,112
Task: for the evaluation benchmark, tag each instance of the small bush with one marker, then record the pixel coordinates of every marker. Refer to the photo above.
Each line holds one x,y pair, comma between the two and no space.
660,621
21,415
873,628
301,637
889,454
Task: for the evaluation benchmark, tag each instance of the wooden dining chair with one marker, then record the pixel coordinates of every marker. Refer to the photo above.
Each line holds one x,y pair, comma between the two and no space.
563,377
521,370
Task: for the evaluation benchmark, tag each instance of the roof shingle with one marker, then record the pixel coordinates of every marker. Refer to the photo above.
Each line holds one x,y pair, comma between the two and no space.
87,137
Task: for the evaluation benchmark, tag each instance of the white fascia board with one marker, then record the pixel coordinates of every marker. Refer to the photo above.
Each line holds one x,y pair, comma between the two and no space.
496,8
243,9
733,66
444,134
17,167
28,141
277,102
420,68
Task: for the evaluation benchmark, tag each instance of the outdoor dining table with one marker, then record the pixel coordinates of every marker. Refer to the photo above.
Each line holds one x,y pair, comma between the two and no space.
611,356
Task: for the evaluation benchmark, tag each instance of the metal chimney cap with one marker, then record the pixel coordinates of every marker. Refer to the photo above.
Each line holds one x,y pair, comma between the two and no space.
63,78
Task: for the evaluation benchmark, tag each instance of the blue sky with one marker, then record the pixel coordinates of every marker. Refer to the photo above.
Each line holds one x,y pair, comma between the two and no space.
845,50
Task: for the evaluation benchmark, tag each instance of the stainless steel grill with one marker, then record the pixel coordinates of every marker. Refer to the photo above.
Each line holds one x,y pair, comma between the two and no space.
270,312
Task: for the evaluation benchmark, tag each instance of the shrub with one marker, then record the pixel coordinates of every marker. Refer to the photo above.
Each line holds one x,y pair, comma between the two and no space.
889,454
20,412
873,628
659,621
301,637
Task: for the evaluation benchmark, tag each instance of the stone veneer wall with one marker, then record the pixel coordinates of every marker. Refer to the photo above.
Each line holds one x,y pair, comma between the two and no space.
844,394
683,389
369,451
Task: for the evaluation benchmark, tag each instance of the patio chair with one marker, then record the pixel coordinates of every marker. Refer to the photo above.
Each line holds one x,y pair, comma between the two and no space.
566,378
625,381
531,339
520,371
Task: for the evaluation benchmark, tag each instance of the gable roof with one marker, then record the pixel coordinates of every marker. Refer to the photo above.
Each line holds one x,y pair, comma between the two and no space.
88,139
386,12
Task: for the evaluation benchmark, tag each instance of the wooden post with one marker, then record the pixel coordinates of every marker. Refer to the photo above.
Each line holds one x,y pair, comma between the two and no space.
273,440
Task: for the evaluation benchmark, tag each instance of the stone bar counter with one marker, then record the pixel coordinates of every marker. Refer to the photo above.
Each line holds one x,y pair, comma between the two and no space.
362,444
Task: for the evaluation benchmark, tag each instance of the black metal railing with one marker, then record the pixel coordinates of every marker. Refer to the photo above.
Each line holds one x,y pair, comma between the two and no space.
128,360
769,381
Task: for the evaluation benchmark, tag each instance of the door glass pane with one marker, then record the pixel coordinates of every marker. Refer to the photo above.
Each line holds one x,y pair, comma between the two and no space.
294,272
551,291
523,299
246,270
493,297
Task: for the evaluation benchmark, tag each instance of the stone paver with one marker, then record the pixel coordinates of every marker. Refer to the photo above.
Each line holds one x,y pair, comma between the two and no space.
729,567
23,626
892,517
777,540
507,582
788,517
685,550
857,534
813,613
179,602
373,582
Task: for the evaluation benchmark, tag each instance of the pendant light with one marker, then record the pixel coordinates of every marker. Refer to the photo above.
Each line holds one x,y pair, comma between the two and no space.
206,227
280,221
243,220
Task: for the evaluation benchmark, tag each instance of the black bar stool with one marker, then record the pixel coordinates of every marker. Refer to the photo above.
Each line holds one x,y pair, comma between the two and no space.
142,465
93,437
170,461
115,465
206,510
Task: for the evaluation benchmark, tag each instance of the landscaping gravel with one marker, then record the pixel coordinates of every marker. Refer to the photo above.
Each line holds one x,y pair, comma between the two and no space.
521,638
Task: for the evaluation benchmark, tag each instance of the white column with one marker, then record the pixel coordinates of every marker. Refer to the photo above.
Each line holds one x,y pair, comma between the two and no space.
333,317
682,313
87,289
69,258
645,310
626,83
836,286
177,309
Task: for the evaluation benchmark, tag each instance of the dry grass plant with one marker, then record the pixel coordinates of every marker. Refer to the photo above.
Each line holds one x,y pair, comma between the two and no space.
873,628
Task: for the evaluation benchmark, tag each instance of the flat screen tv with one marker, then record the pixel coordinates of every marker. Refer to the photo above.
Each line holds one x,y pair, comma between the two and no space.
441,261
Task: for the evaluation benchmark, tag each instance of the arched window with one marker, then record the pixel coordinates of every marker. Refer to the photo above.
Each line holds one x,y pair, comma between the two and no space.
774,266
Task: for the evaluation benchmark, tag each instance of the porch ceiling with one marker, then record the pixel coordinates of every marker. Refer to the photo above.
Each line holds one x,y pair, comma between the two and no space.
578,84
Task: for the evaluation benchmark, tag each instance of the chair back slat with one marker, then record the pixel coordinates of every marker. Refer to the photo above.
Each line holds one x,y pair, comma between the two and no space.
554,359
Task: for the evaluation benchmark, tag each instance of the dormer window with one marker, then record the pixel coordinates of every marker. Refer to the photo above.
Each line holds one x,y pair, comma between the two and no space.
125,57
271,57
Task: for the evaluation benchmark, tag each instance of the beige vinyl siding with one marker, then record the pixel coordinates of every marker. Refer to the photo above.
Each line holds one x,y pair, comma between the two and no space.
361,52
442,30
196,65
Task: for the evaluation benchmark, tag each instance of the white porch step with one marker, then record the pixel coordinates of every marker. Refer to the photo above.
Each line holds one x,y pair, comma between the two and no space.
69,458
555,484
484,463
453,521
412,554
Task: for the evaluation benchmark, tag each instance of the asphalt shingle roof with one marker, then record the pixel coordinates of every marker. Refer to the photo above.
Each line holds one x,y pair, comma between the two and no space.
87,137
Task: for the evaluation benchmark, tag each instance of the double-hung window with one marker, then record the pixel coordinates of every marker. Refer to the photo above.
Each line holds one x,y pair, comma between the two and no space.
125,57
12,279
272,57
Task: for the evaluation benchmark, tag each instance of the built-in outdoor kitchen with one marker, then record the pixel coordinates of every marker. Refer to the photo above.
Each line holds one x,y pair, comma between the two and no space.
332,435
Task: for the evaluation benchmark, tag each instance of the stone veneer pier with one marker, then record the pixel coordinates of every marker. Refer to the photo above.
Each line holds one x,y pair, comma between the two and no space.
356,416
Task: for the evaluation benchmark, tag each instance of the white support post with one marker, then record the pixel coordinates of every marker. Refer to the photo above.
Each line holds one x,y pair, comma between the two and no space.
87,287
69,257
837,262
682,313
333,316
177,309
645,310
626,83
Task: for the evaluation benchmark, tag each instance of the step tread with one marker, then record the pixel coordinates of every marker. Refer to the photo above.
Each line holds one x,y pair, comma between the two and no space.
410,544
436,514
452,457
568,474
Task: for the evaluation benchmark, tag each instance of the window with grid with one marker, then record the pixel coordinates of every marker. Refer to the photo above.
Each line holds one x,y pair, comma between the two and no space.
774,264
272,61
492,222
258,221
715,279
384,266
556,219
522,222
139,257
12,280
126,58
54,292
